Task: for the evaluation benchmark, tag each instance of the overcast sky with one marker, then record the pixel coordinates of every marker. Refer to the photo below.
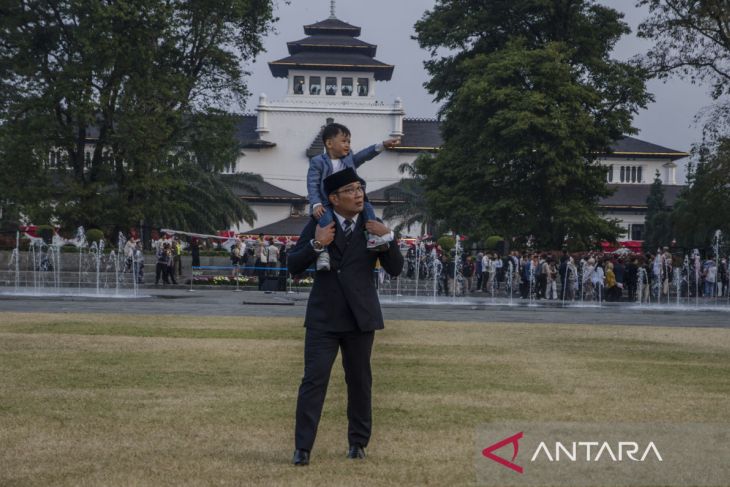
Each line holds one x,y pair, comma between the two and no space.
669,121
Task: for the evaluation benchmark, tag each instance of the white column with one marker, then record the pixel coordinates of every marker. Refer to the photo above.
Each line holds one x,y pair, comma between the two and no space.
262,119
670,170
398,115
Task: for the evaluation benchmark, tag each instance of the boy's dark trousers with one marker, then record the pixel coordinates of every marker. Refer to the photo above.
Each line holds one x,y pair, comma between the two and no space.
632,291
260,273
161,270
170,270
541,286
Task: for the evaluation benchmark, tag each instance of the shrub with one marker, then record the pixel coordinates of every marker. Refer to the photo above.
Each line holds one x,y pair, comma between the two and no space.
94,235
492,242
446,243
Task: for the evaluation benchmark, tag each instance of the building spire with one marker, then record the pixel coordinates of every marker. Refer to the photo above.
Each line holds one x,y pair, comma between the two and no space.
332,9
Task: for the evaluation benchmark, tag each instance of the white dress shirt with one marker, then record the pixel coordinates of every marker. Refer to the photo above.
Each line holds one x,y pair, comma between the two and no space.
341,220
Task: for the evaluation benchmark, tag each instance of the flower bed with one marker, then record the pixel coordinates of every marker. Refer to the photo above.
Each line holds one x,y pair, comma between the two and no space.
225,280
304,281
244,281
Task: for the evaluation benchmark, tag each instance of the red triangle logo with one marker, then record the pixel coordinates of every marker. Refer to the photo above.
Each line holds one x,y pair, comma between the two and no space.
514,440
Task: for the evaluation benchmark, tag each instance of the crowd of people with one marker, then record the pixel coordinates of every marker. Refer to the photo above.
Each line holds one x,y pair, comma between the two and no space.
588,276
264,258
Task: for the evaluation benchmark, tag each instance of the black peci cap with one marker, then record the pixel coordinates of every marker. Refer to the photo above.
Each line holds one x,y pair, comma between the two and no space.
339,179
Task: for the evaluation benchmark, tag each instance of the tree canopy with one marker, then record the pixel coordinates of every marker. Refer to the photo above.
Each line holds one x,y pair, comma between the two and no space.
692,41
705,206
408,205
128,98
531,97
658,227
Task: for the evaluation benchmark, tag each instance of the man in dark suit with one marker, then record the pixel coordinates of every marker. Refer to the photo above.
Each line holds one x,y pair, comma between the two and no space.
343,312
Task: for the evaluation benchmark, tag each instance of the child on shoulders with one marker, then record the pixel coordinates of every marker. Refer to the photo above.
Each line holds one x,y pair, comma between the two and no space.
337,156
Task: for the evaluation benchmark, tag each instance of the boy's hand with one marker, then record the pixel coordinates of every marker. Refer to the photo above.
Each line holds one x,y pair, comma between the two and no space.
318,211
390,143
325,235
377,228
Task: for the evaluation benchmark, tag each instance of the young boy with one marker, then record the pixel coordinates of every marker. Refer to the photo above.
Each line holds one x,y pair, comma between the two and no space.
337,156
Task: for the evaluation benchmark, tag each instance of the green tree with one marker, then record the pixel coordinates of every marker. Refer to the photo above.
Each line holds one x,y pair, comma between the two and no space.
704,206
658,226
141,79
531,96
692,41
23,186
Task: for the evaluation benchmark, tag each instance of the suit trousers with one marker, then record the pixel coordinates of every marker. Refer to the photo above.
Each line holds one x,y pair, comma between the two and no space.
320,351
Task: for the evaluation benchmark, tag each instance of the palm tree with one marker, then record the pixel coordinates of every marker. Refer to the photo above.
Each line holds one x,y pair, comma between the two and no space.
407,203
203,192
208,202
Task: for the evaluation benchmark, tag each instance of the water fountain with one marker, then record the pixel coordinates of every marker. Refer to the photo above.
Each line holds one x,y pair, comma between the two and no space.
676,285
716,240
42,270
510,277
677,280
457,264
696,272
437,268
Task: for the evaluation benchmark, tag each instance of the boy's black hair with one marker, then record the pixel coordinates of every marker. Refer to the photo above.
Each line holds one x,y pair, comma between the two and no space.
332,130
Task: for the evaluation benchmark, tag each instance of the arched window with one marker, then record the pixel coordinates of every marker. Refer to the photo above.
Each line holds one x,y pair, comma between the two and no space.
633,174
638,175
610,174
623,173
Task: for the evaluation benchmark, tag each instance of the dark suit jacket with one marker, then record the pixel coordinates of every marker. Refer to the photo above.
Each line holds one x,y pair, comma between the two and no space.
344,298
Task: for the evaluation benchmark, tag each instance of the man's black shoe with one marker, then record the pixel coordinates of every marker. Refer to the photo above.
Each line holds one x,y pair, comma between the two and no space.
356,452
301,457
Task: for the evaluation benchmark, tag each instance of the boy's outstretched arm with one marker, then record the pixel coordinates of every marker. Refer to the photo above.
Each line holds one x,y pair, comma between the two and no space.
368,153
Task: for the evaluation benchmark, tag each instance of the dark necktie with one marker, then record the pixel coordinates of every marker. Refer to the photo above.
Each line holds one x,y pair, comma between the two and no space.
348,229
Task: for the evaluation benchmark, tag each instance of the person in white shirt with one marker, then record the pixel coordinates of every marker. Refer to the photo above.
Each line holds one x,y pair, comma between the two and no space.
272,256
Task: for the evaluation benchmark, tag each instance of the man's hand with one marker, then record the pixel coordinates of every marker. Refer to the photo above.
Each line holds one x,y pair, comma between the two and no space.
325,235
377,228
318,211
390,143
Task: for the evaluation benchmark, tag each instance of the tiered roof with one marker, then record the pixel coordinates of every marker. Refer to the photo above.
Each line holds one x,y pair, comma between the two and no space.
332,45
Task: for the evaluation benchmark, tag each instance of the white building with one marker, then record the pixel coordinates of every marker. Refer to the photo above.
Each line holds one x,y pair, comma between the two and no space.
332,76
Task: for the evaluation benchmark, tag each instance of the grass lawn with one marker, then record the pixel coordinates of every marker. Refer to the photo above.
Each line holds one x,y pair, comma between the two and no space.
174,400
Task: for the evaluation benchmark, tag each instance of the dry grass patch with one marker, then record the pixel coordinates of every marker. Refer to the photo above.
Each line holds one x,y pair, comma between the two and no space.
170,400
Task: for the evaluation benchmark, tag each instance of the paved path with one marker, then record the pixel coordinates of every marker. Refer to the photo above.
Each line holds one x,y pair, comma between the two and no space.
220,302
